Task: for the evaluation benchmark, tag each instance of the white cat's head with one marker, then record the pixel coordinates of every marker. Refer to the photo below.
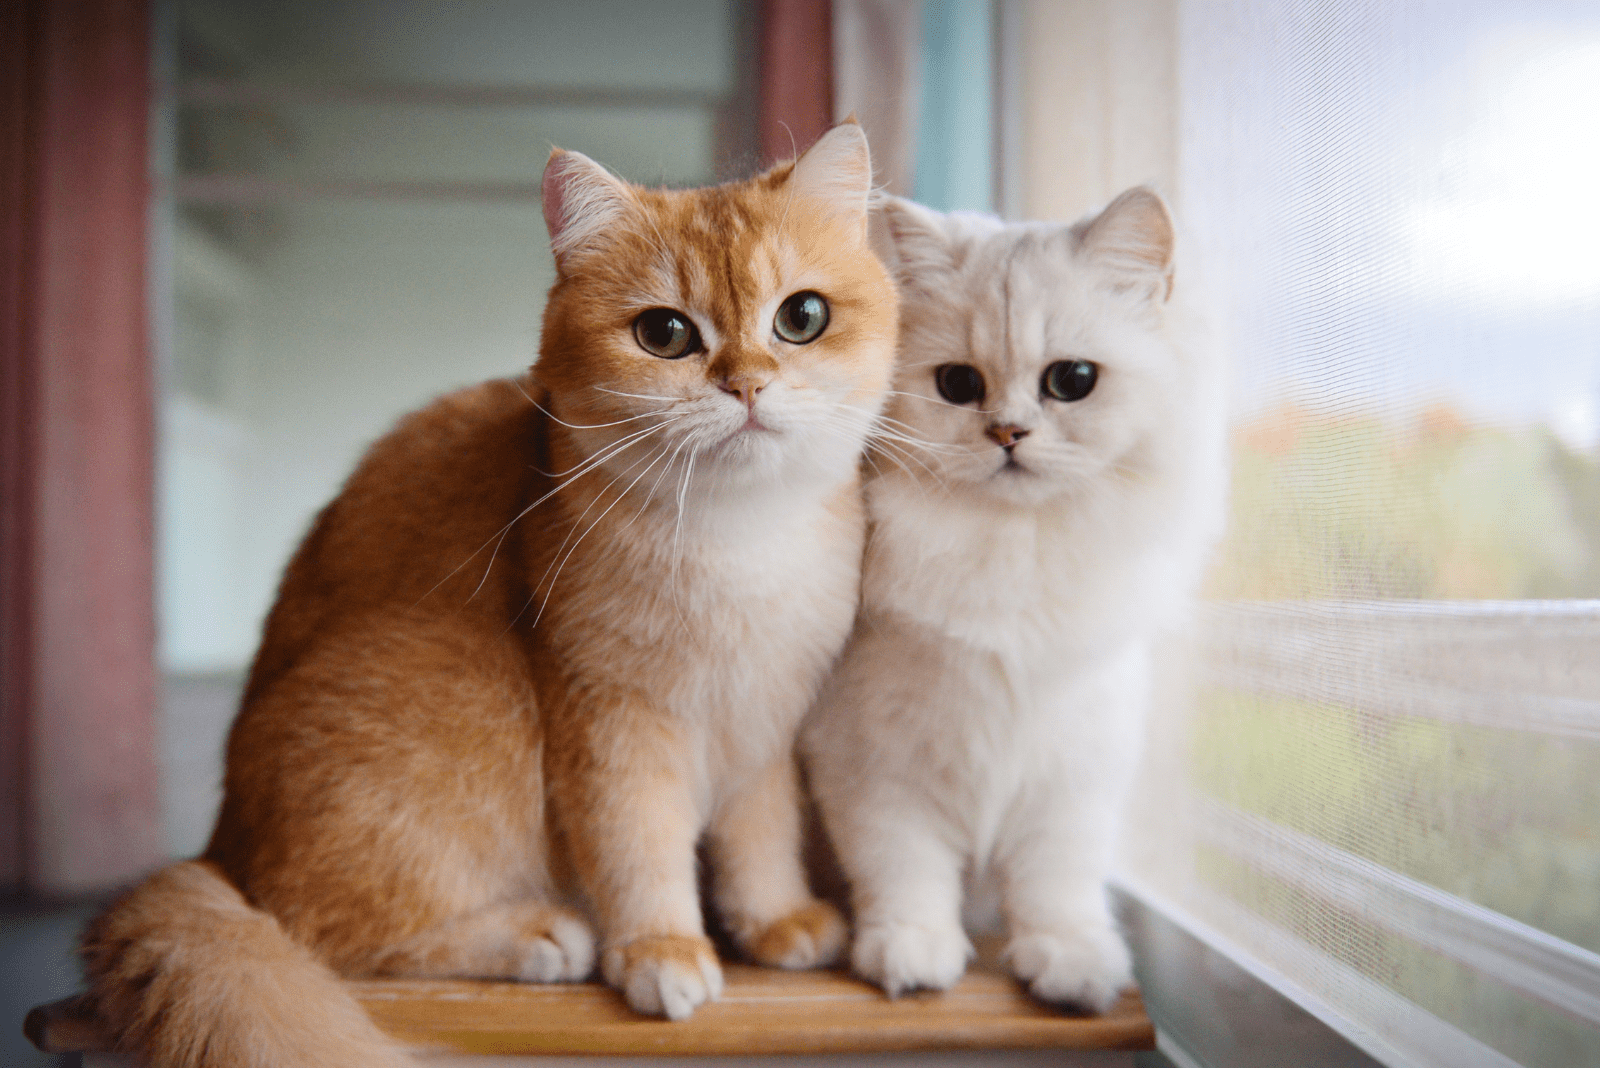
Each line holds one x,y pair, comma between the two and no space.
1037,361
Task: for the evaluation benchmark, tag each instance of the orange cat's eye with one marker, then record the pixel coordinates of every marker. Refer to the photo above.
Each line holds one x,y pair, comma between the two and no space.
667,333
801,318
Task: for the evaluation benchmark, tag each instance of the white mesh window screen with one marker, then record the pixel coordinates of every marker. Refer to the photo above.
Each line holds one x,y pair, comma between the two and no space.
1384,796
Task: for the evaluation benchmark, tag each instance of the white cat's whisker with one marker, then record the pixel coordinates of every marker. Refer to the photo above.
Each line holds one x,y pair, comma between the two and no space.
918,396
882,427
880,439
888,449
892,458
885,421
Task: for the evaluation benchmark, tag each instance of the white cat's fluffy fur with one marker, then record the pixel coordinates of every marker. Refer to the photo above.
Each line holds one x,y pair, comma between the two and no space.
979,733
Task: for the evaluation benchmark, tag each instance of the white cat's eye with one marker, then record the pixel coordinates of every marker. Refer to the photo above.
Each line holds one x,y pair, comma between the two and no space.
801,318
959,383
1069,380
667,333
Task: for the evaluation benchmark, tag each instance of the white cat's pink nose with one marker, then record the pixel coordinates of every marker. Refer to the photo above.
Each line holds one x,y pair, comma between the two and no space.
1006,435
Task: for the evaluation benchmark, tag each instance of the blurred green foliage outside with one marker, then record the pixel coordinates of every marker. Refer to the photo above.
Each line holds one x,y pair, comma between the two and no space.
1359,507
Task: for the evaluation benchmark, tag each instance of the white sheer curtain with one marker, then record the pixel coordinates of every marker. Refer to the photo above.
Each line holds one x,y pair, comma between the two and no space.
1383,795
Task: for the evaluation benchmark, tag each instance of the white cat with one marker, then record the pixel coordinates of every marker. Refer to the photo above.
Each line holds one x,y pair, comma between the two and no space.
980,730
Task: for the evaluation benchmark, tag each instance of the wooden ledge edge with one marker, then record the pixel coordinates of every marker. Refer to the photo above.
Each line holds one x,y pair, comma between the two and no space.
72,1025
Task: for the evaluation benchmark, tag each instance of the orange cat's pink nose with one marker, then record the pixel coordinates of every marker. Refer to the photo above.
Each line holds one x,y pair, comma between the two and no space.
745,387
1006,435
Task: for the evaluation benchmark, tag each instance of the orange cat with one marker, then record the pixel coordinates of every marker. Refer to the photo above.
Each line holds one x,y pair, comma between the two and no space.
655,541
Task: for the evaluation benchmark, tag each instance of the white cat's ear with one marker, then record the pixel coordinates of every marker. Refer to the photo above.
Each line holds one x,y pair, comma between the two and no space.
1132,240
581,201
837,172
910,238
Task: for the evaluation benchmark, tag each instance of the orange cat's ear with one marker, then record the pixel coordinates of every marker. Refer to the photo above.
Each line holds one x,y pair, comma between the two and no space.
1132,239
837,172
582,200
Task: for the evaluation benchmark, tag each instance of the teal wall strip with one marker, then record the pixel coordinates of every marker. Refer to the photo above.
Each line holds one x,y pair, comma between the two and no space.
955,138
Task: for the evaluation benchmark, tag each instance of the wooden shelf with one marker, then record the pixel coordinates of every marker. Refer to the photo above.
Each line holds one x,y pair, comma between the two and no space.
762,1011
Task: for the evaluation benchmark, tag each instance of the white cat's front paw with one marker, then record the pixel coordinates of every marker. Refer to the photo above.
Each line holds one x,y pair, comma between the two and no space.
1085,969
562,951
670,975
904,956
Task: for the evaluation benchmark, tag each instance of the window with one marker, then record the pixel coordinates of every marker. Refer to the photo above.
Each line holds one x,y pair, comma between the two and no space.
1383,795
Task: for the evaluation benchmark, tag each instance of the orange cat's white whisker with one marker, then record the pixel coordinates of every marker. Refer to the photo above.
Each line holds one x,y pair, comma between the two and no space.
597,521
606,453
557,555
507,528
881,438
597,426
636,396
677,530
500,535
665,471
577,522
649,494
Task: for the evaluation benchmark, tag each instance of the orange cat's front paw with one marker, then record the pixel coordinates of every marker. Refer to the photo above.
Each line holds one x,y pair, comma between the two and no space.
809,937
665,975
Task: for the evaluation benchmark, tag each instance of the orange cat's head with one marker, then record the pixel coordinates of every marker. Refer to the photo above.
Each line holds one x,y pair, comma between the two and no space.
745,328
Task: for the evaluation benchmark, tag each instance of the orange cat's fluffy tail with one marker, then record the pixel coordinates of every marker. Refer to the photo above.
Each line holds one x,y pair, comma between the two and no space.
186,972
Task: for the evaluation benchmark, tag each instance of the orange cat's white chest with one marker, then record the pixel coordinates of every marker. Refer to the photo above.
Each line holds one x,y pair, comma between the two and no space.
734,619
